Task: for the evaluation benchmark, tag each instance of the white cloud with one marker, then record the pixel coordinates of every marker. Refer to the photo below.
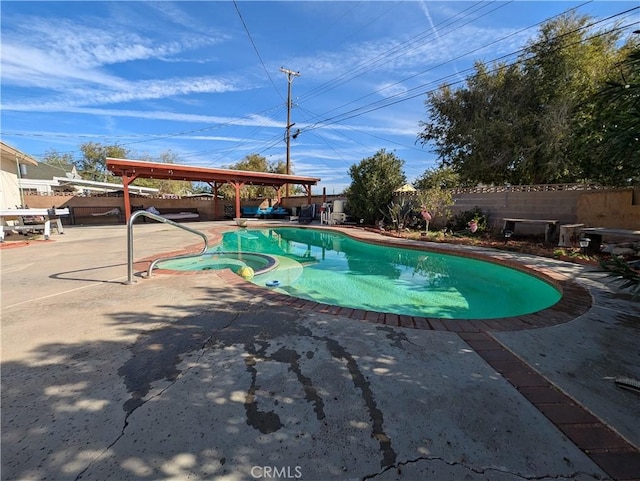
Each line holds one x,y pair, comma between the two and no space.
117,91
406,57
390,89
53,54
83,68
175,15
85,46
34,67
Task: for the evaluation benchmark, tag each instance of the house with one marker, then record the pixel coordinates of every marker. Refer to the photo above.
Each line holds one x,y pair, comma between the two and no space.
14,165
22,174
44,179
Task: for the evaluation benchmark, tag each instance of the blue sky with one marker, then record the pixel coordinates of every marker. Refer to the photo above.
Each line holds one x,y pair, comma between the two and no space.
203,80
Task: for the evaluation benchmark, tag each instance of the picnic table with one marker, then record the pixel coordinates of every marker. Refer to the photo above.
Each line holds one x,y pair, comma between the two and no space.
21,215
549,231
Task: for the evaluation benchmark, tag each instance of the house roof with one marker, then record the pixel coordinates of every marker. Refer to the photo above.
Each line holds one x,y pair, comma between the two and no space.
47,171
11,154
65,175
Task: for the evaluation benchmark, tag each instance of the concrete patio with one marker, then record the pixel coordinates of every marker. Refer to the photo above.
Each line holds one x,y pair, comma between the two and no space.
193,377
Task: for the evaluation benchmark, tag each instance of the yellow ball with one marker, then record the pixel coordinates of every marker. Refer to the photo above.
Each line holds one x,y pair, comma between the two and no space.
246,272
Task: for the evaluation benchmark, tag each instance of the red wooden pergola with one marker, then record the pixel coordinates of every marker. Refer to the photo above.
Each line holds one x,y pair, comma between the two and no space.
130,170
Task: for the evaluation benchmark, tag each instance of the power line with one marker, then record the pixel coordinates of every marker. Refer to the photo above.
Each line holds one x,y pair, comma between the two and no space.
256,49
363,132
388,101
153,137
395,51
431,68
460,56
410,93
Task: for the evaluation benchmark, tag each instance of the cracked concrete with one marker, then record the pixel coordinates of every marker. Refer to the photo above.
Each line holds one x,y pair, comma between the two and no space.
183,377
263,416
436,468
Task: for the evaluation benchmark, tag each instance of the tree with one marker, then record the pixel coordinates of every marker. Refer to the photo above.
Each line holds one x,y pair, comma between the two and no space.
565,66
443,177
55,158
518,123
255,163
612,145
477,130
400,213
373,181
93,164
437,202
177,187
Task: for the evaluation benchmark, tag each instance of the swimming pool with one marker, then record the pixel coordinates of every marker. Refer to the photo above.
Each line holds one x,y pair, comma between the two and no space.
332,268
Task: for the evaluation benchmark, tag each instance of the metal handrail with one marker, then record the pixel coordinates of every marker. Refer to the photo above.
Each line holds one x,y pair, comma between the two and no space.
164,220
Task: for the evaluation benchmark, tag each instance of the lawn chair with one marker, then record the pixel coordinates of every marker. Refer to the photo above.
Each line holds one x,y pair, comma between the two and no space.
307,214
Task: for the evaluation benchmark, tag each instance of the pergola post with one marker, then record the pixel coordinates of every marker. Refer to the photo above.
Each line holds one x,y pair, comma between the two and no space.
278,189
214,189
237,186
307,188
126,180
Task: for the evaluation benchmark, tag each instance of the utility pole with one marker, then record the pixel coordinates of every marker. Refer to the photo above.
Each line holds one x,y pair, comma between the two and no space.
290,74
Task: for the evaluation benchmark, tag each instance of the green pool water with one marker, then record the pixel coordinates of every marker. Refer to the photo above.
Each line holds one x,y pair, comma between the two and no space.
222,260
332,268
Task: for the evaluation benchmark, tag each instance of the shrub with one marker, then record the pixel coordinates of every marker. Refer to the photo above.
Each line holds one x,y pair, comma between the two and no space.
401,214
460,221
622,273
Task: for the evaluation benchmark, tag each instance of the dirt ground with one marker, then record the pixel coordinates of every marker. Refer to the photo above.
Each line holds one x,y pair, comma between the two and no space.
524,244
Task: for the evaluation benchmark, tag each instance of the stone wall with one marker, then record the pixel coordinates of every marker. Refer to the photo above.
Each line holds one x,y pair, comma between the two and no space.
616,209
558,205
569,204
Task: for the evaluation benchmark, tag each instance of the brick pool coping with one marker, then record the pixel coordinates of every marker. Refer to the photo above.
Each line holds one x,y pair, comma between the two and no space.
603,445
575,301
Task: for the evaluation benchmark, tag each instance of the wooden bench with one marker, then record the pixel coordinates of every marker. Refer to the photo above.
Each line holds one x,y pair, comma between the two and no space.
595,235
551,226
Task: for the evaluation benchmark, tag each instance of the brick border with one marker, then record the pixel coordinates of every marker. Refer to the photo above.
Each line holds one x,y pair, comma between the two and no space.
605,447
575,301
